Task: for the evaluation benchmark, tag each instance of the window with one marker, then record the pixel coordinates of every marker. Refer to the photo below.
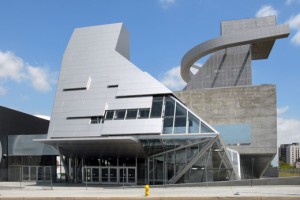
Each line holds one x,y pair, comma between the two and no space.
168,125
120,114
109,115
205,128
180,119
168,115
169,107
193,123
131,114
96,120
144,113
180,110
156,108
180,125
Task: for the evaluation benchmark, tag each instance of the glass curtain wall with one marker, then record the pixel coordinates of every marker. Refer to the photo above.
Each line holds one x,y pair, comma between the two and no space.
188,161
177,119
31,168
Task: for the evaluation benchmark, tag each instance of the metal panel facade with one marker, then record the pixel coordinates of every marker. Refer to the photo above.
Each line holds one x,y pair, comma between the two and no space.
96,76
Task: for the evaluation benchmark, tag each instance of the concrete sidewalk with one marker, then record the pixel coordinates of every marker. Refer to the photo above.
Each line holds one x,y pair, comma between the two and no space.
9,190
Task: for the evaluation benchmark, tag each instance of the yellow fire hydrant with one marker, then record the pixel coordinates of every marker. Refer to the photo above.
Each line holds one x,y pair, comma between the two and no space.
147,190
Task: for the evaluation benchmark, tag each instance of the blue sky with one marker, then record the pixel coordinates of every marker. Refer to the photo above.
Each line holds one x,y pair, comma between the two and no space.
35,33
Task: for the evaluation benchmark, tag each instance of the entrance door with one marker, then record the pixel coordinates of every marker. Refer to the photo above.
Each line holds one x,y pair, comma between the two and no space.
33,173
91,175
123,175
26,173
109,175
41,174
113,179
105,175
95,175
131,175
127,175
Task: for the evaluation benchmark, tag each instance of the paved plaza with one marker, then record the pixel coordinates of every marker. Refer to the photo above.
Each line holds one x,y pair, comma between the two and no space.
14,190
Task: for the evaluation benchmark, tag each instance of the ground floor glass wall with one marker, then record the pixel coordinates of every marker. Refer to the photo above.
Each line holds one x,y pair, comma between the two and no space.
190,161
31,168
110,175
105,170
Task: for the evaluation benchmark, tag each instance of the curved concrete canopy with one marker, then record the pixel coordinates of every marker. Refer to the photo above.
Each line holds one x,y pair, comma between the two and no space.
239,38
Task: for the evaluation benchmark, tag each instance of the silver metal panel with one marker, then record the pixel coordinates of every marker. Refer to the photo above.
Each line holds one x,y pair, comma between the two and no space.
133,86
138,126
100,53
123,44
134,102
77,82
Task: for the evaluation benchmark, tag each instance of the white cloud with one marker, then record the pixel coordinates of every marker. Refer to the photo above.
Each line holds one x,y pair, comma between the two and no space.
166,3
288,130
296,38
13,68
266,10
172,79
39,78
282,110
294,23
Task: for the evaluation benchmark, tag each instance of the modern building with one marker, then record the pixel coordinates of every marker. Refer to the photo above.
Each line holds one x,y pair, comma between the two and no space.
282,153
221,91
20,157
289,153
115,124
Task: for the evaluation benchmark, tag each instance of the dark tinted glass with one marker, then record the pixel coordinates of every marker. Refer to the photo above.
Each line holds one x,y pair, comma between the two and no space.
170,106
144,113
131,114
120,114
109,115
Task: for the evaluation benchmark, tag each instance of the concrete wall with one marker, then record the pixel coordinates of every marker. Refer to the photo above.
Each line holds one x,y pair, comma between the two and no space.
251,105
225,68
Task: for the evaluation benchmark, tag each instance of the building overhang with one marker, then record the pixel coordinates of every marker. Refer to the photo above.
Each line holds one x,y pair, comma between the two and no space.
105,146
123,146
261,50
